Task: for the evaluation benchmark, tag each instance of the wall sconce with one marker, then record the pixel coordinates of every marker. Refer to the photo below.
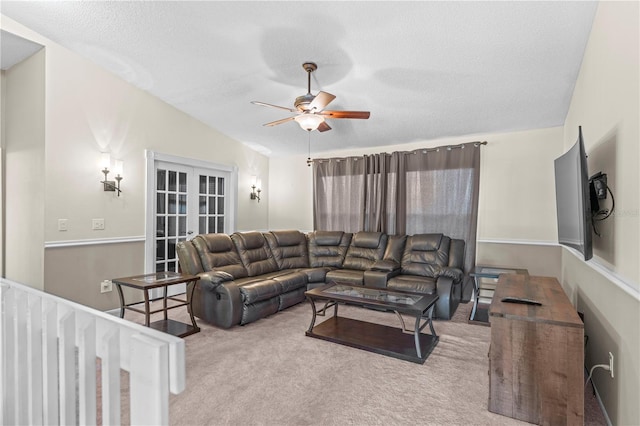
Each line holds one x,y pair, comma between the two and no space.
255,189
110,185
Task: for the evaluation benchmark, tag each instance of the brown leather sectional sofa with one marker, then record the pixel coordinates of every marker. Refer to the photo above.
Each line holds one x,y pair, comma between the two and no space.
249,275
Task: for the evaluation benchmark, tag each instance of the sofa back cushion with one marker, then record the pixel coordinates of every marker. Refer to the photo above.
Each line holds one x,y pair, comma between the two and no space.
289,249
425,254
365,249
254,253
328,248
217,252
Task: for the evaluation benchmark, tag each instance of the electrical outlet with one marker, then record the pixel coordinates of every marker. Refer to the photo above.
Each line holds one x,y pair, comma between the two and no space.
97,224
106,286
611,364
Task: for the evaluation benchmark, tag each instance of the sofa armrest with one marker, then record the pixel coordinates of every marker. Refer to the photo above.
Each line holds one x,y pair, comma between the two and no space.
217,299
378,279
215,278
454,273
385,266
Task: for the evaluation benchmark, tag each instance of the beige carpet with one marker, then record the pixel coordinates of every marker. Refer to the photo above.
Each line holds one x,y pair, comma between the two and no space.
270,373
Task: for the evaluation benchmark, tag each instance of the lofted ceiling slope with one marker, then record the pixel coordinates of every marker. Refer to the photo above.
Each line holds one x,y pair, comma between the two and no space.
425,70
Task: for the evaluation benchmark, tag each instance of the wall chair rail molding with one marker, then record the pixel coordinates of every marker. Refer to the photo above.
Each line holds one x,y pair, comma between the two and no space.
594,263
93,242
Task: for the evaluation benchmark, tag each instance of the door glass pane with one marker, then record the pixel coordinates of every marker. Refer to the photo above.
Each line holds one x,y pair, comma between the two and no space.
182,202
202,225
212,225
203,185
221,225
212,205
202,208
220,186
161,267
220,205
182,180
160,207
212,185
172,180
171,220
160,226
161,182
182,225
171,249
172,204
160,254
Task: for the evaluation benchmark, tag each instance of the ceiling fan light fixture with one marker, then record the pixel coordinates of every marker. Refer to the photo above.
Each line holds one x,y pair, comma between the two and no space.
309,122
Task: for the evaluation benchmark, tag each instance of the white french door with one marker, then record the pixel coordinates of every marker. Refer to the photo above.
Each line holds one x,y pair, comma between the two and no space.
184,199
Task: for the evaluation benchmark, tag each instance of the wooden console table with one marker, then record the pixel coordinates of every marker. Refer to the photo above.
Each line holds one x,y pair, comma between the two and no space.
536,358
157,280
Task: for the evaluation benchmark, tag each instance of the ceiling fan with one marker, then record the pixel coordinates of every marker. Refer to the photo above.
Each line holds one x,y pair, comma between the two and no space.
309,109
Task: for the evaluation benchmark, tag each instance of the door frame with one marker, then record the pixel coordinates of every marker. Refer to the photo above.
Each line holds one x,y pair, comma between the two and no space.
150,159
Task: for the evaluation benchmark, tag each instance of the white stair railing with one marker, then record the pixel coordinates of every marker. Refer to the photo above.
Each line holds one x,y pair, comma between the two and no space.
52,349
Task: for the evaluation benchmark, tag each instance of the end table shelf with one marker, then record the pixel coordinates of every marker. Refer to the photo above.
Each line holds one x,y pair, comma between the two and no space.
160,280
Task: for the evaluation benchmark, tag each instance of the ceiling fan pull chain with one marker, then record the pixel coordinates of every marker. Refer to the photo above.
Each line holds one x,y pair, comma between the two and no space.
309,157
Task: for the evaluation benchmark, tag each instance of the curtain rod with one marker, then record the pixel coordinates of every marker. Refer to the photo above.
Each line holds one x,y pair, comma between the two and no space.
415,151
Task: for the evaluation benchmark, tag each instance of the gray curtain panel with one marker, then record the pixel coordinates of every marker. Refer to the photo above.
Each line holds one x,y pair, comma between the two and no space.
423,191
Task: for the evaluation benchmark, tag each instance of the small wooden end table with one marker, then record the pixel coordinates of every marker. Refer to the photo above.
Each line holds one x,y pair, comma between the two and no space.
156,280
485,279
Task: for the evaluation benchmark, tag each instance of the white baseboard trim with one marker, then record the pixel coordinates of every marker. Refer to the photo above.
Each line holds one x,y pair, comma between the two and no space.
604,410
93,242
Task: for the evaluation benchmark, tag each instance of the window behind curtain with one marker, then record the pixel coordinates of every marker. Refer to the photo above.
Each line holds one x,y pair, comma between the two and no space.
416,192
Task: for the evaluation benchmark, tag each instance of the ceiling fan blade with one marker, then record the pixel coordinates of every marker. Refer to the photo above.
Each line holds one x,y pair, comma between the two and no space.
273,106
321,100
323,127
275,123
346,114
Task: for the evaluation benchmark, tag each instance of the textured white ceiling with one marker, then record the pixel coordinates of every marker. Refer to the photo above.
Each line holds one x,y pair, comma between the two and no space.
425,70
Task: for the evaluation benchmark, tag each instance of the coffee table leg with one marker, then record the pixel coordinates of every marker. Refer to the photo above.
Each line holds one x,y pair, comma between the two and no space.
430,316
416,336
313,317
121,300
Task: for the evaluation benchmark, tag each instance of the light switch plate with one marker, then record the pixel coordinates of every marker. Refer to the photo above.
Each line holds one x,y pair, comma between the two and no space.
97,224
62,225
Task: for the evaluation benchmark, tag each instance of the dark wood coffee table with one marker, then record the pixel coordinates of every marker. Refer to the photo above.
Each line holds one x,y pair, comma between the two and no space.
409,345
160,280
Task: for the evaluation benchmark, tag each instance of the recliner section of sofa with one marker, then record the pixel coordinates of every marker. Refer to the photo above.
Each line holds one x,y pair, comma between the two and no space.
249,275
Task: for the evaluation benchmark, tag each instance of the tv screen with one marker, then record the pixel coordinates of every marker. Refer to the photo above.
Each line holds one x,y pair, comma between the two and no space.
573,200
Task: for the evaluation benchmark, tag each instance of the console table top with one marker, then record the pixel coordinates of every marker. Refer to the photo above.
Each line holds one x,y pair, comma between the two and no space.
555,309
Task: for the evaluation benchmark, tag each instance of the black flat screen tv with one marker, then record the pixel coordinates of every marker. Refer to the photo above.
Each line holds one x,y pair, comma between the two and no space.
573,203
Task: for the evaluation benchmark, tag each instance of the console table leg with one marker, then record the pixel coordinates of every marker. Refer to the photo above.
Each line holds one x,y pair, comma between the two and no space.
430,319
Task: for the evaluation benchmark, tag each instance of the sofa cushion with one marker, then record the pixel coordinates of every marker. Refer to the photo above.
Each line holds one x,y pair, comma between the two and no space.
423,257
217,252
365,249
328,248
412,283
289,249
254,253
345,276
291,281
316,275
259,290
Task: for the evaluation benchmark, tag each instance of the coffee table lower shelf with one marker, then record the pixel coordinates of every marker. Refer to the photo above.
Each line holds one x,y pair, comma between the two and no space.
376,338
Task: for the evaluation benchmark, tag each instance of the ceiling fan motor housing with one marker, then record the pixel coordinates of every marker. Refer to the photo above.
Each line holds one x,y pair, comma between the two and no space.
302,102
